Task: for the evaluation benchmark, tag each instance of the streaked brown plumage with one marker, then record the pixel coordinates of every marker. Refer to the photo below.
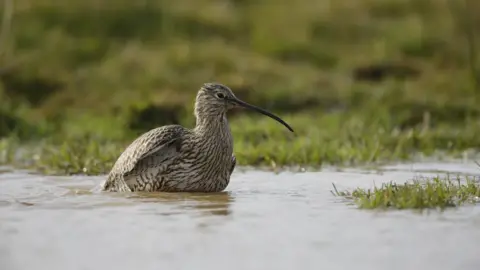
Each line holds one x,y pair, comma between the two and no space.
176,159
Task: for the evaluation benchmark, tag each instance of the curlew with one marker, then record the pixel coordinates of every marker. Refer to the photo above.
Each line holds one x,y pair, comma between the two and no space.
173,158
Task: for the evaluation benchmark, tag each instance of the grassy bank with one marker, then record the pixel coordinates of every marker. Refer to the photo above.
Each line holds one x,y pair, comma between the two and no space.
362,82
338,139
439,193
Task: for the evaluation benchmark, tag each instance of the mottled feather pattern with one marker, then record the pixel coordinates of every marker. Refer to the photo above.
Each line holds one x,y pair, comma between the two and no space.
142,147
150,141
184,160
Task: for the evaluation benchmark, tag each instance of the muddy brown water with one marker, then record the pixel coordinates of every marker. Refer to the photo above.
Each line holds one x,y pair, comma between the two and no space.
262,221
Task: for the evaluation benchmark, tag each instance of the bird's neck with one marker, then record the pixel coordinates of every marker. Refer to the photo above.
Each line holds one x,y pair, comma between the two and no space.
212,126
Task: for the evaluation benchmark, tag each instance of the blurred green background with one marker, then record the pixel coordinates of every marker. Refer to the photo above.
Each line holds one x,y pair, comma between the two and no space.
358,80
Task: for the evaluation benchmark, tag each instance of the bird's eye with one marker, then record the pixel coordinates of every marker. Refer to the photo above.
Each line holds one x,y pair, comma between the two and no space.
220,95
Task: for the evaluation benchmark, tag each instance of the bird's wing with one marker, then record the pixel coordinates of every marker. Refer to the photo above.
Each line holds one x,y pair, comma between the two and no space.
163,142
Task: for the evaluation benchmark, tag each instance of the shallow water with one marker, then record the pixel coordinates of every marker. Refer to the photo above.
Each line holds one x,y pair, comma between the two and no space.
263,221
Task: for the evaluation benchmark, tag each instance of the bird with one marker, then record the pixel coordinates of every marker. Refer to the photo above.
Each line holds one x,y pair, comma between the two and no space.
173,158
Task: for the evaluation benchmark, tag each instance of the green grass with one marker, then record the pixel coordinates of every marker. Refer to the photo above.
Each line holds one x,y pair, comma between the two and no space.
365,82
83,155
336,139
436,193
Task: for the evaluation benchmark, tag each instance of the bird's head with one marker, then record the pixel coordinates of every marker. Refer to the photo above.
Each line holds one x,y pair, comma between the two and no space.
215,99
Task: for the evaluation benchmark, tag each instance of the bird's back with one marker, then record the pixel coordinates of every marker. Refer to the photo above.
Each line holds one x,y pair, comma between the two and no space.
160,146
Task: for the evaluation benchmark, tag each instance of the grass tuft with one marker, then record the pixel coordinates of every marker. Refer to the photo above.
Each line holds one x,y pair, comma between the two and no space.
435,193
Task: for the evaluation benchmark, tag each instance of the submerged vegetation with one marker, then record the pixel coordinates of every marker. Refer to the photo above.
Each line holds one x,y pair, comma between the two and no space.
359,81
418,194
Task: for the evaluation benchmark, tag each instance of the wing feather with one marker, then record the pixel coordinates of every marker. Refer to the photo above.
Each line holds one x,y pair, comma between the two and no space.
163,143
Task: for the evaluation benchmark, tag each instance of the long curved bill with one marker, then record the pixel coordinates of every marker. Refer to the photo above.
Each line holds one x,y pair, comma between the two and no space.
260,110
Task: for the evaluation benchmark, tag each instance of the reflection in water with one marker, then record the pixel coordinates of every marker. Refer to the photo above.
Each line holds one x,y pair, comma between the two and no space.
205,203
202,203
263,221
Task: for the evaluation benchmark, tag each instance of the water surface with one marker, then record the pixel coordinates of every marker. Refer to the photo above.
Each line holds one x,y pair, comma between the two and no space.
262,221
